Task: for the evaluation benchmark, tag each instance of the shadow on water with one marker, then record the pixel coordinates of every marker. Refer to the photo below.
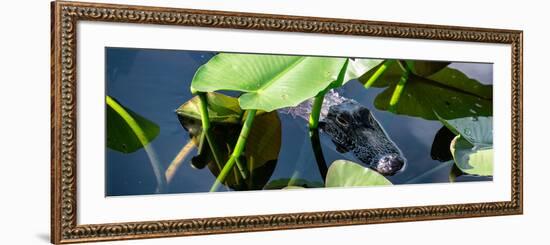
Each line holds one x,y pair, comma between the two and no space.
156,82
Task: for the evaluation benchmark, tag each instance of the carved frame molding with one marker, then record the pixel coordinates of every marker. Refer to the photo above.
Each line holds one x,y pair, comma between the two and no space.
66,15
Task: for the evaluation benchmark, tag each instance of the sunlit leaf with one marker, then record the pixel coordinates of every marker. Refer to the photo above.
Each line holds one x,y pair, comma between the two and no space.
471,159
342,173
120,121
472,148
270,82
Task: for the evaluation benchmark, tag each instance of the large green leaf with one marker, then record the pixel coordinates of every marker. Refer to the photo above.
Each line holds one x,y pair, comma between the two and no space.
472,149
269,82
471,159
127,131
448,92
342,173
262,146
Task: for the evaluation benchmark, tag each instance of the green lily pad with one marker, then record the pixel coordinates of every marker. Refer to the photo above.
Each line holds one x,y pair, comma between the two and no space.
261,150
472,148
471,159
342,173
270,82
448,92
127,131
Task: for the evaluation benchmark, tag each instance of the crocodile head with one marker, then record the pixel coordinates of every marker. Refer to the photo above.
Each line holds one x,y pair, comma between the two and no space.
353,128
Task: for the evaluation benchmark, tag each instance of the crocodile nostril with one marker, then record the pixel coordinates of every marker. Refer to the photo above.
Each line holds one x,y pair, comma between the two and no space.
390,164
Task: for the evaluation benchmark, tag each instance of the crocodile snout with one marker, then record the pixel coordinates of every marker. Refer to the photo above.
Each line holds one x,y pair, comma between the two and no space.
390,164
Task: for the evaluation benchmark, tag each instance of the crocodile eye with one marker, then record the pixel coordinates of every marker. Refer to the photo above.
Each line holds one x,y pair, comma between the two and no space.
370,118
341,120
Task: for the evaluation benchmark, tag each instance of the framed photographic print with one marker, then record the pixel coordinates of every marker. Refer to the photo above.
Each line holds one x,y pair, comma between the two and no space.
175,122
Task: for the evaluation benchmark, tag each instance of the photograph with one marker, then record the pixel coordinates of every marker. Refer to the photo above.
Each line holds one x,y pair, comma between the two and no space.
192,121
174,120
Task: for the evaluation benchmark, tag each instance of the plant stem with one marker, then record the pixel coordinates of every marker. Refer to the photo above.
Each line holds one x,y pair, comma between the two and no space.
403,65
138,131
318,152
314,121
399,88
202,139
205,120
239,147
176,163
378,73
203,108
316,111
318,100
314,134
241,167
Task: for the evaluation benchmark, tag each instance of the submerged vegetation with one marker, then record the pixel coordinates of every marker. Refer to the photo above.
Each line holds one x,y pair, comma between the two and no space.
238,137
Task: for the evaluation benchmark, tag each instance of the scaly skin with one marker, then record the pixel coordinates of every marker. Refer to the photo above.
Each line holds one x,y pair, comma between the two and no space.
353,128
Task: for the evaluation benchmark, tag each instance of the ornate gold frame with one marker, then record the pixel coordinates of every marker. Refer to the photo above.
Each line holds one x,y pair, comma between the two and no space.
66,15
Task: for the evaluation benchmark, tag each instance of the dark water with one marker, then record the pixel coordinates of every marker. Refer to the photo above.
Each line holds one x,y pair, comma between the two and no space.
154,83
